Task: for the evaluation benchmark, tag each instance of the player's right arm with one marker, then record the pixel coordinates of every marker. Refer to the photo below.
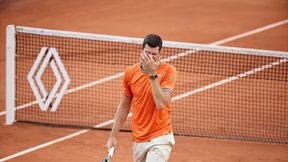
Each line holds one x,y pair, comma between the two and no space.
120,117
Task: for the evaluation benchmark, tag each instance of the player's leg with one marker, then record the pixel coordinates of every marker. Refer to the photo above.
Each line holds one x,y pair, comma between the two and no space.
159,153
139,151
160,149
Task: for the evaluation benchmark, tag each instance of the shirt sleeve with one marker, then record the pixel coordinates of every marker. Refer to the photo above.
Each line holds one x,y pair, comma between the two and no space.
126,90
169,80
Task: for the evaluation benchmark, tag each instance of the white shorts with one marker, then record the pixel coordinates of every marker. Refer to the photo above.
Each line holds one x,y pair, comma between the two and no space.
156,150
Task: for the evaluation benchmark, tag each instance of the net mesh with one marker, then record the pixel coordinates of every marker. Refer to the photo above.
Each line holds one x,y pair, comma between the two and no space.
218,94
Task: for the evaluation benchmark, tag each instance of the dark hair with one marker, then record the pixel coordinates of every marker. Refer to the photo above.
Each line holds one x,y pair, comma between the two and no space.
152,40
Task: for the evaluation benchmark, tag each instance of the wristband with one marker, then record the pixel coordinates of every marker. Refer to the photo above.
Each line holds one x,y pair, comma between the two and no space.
153,76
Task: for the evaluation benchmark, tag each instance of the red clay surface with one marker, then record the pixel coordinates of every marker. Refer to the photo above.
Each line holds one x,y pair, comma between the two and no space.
204,21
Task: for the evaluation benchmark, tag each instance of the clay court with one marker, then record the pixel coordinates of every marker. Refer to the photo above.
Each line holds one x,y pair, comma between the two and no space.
219,22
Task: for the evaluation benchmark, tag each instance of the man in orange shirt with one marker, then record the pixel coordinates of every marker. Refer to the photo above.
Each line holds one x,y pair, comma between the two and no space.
147,88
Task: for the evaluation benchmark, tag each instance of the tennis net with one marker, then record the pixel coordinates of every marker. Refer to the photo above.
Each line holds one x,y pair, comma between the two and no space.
75,79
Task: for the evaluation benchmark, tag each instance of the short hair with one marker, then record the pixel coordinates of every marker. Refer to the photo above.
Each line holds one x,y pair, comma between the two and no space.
152,40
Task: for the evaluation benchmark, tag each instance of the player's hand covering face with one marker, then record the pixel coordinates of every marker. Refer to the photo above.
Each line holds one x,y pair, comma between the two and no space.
150,58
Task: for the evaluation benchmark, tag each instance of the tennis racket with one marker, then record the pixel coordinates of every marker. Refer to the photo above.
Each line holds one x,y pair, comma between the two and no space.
109,156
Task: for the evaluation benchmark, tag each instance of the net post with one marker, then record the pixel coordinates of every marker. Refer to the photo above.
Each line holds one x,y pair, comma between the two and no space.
10,74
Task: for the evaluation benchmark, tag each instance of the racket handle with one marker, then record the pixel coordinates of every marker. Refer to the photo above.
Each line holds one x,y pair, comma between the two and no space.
111,151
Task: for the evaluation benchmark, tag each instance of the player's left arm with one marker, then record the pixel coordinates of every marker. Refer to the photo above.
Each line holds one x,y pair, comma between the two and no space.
163,92
161,96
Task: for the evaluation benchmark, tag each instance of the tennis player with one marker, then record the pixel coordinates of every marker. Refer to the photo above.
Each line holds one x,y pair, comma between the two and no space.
147,88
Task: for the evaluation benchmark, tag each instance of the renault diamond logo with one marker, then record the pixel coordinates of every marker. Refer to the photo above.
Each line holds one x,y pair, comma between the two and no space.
45,99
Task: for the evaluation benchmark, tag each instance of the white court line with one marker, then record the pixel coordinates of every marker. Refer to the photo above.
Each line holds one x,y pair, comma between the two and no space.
221,82
44,145
258,30
72,90
253,71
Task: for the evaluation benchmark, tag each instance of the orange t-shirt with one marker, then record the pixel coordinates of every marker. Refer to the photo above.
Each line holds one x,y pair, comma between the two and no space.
147,121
